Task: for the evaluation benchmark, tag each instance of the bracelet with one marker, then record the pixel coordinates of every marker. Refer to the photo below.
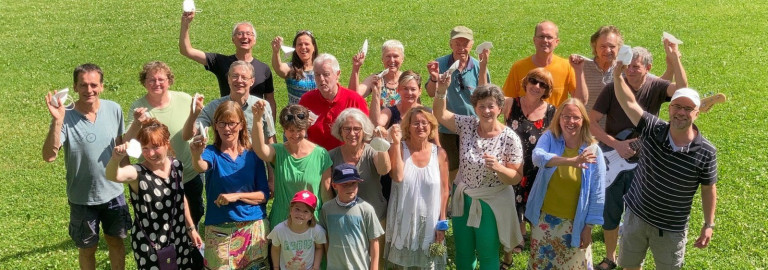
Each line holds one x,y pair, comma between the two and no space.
440,96
432,80
190,229
442,225
709,225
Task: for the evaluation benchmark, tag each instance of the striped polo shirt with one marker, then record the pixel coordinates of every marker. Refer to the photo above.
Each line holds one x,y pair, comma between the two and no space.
666,180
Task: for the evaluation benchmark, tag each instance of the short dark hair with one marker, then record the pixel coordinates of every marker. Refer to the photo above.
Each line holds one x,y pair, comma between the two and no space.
486,91
85,68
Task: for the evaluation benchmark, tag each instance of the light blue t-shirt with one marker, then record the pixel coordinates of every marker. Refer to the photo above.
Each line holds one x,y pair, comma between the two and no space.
206,116
463,84
244,174
87,149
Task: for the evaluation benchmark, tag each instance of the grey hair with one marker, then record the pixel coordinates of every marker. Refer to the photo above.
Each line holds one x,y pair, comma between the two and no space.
486,91
643,54
357,115
234,29
392,44
327,57
241,63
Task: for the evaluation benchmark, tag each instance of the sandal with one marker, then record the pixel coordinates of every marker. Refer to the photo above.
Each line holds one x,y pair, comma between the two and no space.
506,266
611,265
518,249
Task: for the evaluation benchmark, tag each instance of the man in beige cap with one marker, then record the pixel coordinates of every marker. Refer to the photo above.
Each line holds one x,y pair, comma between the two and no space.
464,80
545,41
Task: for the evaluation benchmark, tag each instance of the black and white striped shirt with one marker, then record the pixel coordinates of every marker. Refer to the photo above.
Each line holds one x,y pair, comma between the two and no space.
666,180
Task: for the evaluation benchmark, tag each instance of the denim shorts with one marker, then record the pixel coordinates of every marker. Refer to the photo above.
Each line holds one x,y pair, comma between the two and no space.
84,221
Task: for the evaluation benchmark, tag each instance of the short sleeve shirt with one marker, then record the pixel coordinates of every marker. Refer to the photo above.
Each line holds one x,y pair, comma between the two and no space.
206,116
245,173
327,111
463,84
218,64
649,96
87,148
297,250
472,171
350,230
370,189
173,116
563,76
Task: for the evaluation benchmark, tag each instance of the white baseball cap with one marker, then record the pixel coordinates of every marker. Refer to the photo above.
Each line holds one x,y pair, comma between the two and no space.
687,93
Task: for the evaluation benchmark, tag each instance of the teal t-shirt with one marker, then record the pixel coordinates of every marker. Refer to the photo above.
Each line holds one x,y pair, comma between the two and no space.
87,149
350,229
293,175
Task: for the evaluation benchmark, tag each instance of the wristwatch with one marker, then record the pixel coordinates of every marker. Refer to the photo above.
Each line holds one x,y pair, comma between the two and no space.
708,225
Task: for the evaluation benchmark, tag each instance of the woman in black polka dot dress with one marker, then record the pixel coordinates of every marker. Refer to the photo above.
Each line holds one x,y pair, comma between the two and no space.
161,219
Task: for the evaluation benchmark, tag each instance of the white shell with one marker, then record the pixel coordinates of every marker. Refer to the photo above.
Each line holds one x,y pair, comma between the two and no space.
365,48
485,45
625,54
134,149
384,72
379,144
60,97
670,37
188,6
453,67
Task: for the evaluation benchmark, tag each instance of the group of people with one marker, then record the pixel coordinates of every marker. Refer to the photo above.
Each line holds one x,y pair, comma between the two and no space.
359,184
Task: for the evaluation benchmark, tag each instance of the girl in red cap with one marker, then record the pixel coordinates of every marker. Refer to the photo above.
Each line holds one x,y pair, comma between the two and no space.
297,243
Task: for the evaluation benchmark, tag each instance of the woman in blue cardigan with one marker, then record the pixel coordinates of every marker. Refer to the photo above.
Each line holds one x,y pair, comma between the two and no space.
567,198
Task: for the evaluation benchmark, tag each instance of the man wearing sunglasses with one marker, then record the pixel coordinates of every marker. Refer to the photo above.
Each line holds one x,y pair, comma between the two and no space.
674,161
649,92
244,38
545,40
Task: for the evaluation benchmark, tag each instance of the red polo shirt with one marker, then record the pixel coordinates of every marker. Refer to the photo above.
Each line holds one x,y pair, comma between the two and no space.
327,111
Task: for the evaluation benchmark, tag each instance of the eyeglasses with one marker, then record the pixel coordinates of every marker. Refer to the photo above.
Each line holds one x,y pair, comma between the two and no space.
244,34
227,124
351,129
420,124
157,81
534,81
570,118
304,32
290,117
546,38
240,77
677,107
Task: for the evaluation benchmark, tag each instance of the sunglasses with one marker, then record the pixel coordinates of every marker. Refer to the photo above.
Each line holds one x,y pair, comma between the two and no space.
541,84
290,117
304,32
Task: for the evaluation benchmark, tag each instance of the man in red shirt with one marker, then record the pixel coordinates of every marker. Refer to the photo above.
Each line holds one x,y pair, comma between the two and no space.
328,100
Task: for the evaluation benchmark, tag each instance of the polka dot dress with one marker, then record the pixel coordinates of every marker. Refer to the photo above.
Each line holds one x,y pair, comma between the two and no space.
153,207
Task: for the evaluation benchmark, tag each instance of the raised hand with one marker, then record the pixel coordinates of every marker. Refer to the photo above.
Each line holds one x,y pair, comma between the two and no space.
577,62
276,42
434,69
120,150
198,101
395,133
258,109
187,17
358,60
140,114
56,112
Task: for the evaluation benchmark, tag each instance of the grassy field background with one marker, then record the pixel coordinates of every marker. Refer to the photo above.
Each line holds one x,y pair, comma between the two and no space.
42,41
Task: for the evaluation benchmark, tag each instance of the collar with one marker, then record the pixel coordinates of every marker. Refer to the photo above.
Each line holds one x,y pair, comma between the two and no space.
664,137
349,204
470,64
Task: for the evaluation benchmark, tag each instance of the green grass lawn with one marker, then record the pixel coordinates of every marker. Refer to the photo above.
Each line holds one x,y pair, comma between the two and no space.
42,41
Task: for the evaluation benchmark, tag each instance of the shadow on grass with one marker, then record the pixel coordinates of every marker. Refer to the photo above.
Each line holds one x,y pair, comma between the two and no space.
67,245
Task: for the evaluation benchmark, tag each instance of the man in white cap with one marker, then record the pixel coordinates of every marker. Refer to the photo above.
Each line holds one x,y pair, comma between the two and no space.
650,93
675,159
463,82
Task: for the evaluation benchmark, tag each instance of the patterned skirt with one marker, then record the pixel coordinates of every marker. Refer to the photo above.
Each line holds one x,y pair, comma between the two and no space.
551,246
236,245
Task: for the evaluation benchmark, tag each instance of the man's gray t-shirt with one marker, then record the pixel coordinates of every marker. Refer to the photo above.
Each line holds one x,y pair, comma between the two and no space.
87,149
206,116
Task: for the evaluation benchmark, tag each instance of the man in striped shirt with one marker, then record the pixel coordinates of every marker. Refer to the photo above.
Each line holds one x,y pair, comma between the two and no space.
675,160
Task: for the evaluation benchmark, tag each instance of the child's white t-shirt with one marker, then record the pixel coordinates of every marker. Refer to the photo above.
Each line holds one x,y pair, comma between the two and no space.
297,251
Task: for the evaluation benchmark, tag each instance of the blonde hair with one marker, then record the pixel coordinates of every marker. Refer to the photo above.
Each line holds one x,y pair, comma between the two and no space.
405,123
229,110
554,127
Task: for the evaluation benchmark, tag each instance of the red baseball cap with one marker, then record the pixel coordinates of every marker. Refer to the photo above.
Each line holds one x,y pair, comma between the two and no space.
305,197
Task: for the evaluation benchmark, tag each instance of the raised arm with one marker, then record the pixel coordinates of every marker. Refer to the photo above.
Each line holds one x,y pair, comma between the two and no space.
263,149
444,117
281,69
185,46
482,77
374,109
354,76
189,131
196,147
673,62
581,92
396,154
52,142
434,73
139,116
120,174
625,97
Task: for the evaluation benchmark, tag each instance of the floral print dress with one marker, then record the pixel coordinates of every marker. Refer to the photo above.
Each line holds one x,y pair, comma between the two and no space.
529,133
